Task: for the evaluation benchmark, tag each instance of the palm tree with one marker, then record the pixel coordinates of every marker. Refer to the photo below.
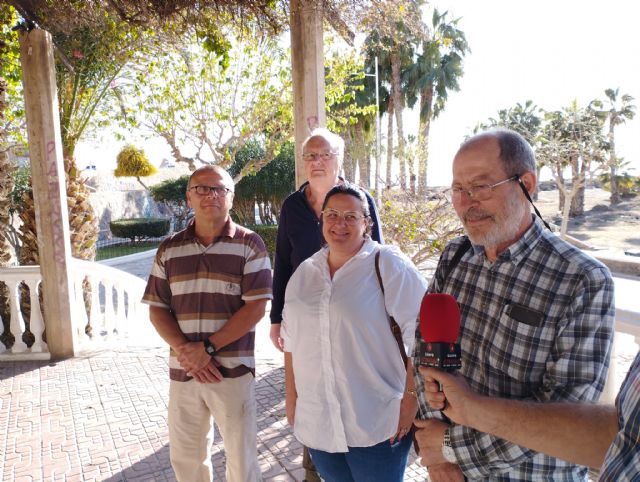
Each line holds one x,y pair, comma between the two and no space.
615,114
435,73
6,186
395,56
525,119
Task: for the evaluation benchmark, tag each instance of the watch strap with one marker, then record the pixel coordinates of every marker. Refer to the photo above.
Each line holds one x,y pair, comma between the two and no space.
209,347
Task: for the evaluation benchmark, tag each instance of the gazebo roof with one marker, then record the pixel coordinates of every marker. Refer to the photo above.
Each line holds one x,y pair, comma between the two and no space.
64,15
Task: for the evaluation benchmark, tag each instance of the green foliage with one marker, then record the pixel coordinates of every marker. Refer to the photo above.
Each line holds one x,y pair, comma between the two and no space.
628,185
172,193
13,118
137,229
118,250
344,81
219,46
525,119
267,188
133,162
269,234
22,179
421,227
171,190
183,92
97,53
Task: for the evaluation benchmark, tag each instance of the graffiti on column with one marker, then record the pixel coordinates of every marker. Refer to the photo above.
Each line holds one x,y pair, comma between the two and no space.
54,203
312,122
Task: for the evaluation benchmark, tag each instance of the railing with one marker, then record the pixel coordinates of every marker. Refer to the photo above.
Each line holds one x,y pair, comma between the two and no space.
105,306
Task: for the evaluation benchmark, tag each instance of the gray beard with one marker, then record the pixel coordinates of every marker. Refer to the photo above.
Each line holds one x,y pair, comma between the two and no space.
506,224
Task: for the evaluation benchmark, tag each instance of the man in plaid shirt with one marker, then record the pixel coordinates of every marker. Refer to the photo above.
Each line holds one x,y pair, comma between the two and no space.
537,314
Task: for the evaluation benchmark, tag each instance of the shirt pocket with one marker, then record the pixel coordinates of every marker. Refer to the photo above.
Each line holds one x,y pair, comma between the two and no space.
521,344
230,283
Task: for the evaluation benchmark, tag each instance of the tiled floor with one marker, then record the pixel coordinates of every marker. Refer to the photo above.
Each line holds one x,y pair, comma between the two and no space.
103,417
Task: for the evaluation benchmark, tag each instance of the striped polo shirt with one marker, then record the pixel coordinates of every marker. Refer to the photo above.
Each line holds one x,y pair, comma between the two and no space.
204,286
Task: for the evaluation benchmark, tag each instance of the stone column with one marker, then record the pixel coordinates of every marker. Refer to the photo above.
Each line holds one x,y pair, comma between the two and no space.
49,191
307,67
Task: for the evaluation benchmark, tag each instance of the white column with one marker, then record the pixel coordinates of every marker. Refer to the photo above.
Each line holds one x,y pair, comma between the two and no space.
307,68
49,187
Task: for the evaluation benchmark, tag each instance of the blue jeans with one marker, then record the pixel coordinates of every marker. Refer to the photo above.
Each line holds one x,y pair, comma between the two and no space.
384,462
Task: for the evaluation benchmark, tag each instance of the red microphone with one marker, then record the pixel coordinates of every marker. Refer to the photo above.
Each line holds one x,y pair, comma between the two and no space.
439,327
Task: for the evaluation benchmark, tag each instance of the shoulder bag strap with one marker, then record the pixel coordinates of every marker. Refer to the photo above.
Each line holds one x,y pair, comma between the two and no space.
464,247
395,328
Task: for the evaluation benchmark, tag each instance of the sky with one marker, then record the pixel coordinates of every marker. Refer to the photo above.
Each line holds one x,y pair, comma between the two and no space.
548,51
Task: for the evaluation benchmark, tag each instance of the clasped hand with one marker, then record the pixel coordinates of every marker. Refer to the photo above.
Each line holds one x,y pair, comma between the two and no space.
198,364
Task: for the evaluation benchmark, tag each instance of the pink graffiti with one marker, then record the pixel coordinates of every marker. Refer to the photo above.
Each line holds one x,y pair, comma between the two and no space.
312,122
55,208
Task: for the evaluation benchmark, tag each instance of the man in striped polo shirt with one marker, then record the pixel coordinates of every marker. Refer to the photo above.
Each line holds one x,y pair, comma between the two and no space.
208,288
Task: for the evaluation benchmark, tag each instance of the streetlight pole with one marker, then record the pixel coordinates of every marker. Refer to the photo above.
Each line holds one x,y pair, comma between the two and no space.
377,170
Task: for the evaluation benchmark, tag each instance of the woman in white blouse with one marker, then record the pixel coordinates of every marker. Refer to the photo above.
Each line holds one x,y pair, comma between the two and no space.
349,395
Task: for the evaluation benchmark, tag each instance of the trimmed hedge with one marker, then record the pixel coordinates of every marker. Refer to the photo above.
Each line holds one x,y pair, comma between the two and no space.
137,229
269,234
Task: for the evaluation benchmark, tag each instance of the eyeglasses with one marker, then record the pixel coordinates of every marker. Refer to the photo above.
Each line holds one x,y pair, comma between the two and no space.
331,216
478,193
482,193
207,190
321,156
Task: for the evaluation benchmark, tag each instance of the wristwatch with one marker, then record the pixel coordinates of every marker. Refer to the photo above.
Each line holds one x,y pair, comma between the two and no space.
209,348
447,450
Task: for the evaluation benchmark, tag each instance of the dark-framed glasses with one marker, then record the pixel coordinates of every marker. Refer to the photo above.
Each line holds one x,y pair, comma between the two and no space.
320,156
331,216
478,193
217,191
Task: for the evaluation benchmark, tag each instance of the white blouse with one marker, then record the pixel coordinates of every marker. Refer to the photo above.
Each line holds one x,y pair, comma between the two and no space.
347,366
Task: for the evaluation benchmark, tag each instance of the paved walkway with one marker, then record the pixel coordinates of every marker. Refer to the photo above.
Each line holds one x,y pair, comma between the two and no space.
103,416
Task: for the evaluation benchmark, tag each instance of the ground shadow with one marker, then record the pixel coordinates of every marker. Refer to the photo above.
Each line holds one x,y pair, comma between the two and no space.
10,369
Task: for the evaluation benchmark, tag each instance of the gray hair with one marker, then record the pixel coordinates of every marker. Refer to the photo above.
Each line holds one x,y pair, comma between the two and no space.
516,154
334,140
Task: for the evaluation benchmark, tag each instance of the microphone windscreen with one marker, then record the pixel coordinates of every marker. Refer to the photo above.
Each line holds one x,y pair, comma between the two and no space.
439,318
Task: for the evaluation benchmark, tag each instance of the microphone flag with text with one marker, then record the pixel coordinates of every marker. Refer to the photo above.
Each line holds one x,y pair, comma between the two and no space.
439,328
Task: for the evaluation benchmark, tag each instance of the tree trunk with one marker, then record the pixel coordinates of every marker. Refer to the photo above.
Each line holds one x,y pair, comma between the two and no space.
348,164
364,160
613,167
6,186
577,190
426,99
560,182
389,182
175,150
396,92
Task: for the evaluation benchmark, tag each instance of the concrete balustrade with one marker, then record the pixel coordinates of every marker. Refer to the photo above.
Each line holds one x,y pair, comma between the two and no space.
114,312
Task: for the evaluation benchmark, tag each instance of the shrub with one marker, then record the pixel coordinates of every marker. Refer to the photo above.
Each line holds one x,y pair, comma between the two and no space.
137,229
419,225
628,185
172,193
268,233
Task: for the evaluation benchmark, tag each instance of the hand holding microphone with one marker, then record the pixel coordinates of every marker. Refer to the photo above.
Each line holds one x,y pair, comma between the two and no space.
449,393
439,327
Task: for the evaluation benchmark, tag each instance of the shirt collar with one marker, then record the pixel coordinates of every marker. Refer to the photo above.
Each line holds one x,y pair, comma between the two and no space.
306,184
522,247
228,231
370,246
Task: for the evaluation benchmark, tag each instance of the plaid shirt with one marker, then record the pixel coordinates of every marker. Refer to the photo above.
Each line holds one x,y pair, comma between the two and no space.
558,350
622,462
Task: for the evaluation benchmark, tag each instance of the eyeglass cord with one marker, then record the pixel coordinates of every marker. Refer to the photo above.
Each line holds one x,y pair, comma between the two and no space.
526,193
